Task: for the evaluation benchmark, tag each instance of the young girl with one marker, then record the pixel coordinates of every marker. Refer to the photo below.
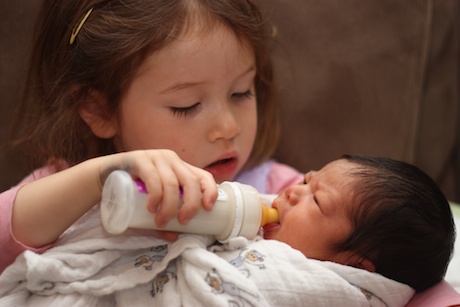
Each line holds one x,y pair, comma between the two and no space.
157,81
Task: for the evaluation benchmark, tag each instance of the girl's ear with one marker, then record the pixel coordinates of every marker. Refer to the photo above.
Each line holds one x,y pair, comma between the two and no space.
94,112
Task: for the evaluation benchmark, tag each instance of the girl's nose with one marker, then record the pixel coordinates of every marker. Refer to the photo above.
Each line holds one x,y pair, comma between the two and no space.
224,125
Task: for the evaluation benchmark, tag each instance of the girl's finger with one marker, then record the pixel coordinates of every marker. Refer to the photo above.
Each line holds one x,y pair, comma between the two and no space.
208,187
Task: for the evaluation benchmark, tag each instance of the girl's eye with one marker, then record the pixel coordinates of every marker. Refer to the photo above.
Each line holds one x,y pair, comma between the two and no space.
185,111
247,94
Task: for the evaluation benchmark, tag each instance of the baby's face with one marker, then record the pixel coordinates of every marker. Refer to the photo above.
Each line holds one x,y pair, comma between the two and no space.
314,214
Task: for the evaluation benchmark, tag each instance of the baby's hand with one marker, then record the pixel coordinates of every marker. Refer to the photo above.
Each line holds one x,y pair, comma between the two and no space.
164,174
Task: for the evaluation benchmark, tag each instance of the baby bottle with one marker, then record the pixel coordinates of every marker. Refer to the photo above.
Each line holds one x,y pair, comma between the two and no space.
238,210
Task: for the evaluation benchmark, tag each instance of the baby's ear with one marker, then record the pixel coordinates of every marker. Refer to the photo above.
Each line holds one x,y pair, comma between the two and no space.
365,264
356,261
93,111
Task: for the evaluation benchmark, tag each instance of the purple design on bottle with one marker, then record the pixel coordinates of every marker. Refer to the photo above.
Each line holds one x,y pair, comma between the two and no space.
141,187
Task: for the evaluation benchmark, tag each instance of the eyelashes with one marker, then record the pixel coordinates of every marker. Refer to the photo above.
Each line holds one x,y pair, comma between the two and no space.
185,111
192,109
247,94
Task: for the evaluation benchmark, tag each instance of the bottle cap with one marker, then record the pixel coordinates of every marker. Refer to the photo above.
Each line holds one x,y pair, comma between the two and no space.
117,193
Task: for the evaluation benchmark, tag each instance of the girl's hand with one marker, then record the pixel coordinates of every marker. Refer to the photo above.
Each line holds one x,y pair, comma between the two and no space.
164,174
45,208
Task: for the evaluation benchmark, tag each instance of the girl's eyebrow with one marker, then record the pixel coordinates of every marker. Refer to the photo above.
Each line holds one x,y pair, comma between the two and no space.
179,86
184,85
247,71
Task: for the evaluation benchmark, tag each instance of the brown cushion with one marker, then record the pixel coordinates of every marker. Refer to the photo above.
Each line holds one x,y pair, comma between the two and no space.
369,77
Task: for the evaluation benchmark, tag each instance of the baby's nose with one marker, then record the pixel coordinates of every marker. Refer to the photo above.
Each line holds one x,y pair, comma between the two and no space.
295,193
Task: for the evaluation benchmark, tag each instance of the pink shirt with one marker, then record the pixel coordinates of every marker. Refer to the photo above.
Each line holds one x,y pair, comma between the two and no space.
270,178
11,247
440,295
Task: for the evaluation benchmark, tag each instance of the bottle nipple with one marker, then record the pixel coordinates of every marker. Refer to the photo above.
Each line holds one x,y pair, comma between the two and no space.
269,215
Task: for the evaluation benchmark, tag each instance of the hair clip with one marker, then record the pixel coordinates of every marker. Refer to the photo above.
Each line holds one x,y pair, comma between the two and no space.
76,30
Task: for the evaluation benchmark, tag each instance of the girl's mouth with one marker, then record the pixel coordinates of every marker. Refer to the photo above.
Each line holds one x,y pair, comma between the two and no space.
223,161
224,169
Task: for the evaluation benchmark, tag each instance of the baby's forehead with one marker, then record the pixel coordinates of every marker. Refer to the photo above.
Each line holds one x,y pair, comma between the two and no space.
343,174
340,167
336,178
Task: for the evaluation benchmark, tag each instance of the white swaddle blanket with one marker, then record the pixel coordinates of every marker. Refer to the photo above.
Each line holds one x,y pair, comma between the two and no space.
92,268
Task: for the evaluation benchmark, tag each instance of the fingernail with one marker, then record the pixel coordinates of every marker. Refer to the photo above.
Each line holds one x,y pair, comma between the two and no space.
153,208
161,224
185,220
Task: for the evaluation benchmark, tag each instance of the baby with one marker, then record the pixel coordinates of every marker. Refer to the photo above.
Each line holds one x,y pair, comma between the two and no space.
378,214
362,230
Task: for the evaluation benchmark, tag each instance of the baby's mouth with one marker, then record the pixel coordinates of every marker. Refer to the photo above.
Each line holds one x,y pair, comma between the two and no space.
271,226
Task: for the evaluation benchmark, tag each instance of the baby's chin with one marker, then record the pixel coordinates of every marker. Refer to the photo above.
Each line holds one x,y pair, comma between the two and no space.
271,231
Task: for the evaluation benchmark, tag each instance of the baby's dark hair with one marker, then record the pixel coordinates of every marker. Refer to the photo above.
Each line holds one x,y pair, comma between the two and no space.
402,221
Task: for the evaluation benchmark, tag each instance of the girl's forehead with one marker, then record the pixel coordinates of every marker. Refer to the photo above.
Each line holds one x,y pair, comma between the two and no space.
213,28
194,48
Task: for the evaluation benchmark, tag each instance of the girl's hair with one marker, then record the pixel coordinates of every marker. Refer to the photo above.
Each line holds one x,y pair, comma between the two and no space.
402,221
111,45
